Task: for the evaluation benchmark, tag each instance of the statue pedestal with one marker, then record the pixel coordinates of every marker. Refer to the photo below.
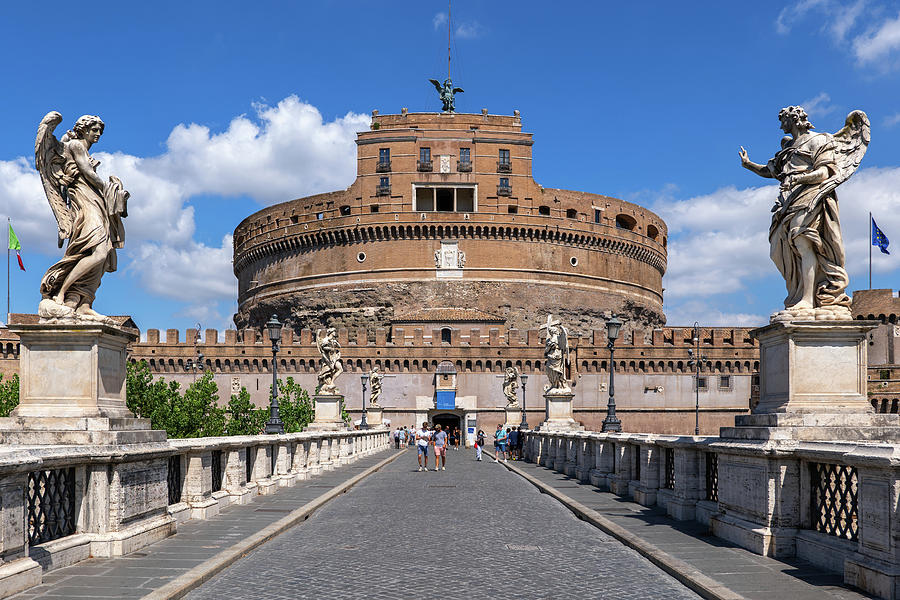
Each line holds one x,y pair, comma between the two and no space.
513,417
72,388
374,416
328,413
559,412
813,385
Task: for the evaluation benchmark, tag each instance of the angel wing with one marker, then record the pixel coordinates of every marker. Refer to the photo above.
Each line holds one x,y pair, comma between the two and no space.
851,143
50,163
458,90
564,344
319,341
437,85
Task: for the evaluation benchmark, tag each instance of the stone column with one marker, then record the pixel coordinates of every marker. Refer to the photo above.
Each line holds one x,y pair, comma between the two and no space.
326,453
233,472
198,485
585,458
651,474
572,444
562,451
623,470
301,455
689,487
313,466
603,463
20,571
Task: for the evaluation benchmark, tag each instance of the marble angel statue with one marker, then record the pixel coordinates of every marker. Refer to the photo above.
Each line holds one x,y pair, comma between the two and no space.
331,367
805,235
556,357
89,213
375,378
511,386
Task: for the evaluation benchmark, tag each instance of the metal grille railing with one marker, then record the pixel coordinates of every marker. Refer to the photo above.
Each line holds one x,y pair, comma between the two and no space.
173,476
293,453
833,499
670,468
216,470
712,476
251,456
51,505
636,450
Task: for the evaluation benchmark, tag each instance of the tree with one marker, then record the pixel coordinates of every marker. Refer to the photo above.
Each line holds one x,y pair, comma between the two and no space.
295,407
197,413
245,418
9,394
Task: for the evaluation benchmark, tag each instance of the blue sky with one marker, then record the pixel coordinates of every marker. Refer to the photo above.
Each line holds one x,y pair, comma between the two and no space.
214,110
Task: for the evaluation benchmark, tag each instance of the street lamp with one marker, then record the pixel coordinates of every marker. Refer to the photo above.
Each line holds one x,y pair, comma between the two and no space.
274,424
524,379
697,361
362,422
612,423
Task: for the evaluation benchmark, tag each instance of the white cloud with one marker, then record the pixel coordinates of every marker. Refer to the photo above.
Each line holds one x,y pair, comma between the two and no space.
472,29
686,313
818,106
792,13
879,42
718,243
284,152
439,20
892,120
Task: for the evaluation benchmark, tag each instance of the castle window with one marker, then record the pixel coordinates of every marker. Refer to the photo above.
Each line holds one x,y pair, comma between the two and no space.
320,216
704,386
465,154
373,208
597,215
345,210
439,198
424,163
626,222
652,232
512,209
424,199
571,213
384,160
725,382
445,335
544,210
503,163
384,187
465,199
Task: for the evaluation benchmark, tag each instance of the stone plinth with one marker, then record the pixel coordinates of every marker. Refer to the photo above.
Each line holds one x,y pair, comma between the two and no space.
513,417
559,413
813,385
328,413
72,388
374,416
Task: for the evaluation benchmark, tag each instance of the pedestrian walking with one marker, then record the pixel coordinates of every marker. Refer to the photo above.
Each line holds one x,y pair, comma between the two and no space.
396,434
457,439
402,437
423,439
479,444
513,440
500,437
439,442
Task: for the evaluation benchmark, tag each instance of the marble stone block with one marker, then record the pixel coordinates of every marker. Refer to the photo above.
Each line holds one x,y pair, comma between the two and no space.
328,413
558,407
375,416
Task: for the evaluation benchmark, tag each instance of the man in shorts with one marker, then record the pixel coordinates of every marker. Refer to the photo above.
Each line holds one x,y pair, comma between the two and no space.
512,436
500,443
423,438
439,441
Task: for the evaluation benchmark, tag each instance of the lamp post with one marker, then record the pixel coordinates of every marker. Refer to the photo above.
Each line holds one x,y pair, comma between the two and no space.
362,422
612,423
274,424
524,379
697,360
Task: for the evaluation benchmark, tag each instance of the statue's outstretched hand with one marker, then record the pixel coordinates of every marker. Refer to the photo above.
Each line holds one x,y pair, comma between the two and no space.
744,158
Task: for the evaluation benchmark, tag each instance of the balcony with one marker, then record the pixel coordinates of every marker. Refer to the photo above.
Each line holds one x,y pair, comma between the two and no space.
504,190
383,190
464,166
504,167
426,166
383,167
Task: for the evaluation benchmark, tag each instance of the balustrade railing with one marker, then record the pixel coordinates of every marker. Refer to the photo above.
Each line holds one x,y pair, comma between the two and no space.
51,504
833,499
712,476
216,468
173,478
669,482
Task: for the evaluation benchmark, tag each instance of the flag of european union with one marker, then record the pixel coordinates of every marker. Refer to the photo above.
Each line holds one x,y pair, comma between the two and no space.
879,239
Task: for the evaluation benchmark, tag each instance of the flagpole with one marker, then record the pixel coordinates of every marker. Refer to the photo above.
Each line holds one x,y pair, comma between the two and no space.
870,250
8,226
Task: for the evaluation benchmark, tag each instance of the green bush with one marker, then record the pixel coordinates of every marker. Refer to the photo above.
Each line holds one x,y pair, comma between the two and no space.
9,394
244,417
295,407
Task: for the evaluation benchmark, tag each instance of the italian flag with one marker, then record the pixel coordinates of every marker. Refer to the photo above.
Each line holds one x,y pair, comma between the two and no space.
15,245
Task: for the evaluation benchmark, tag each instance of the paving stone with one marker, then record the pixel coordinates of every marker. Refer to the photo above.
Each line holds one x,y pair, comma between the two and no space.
473,530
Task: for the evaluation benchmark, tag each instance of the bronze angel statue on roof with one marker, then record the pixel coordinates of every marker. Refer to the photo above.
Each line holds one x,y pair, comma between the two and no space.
805,235
89,213
446,92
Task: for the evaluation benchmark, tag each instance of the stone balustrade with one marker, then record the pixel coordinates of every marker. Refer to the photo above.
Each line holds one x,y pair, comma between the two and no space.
834,504
62,504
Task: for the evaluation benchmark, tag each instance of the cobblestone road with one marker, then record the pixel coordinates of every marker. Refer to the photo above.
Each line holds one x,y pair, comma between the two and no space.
473,531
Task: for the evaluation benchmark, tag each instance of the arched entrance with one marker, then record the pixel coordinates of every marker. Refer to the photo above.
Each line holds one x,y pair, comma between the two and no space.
447,420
